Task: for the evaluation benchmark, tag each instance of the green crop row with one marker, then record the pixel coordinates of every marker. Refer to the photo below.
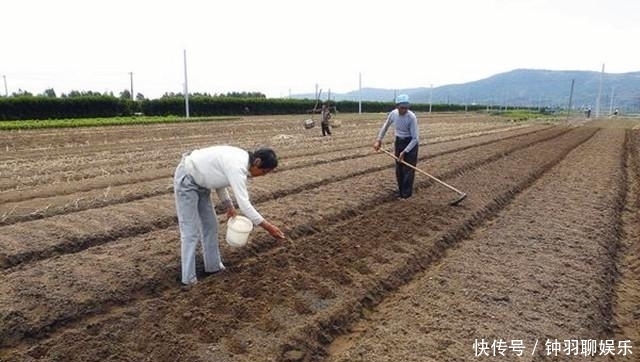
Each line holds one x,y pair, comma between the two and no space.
94,122
519,114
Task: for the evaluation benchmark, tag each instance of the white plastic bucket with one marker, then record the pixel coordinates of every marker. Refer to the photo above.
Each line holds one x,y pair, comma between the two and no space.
238,230
309,123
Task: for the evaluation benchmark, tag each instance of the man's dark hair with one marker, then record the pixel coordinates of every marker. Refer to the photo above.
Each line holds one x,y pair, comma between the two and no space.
268,157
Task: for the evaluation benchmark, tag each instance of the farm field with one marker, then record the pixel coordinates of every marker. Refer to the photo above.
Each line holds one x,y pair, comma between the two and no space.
547,246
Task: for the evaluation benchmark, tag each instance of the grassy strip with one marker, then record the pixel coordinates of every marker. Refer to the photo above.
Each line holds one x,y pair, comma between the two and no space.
521,114
96,122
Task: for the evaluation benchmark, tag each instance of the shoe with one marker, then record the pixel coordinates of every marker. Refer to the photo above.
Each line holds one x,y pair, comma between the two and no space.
221,268
188,285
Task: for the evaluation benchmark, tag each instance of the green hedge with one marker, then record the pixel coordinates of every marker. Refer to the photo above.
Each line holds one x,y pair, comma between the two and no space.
224,106
16,108
38,107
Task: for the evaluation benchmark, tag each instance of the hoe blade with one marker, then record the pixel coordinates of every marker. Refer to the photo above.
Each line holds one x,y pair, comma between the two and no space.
458,200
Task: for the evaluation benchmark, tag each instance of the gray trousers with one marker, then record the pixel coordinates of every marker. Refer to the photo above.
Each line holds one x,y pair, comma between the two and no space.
196,218
405,175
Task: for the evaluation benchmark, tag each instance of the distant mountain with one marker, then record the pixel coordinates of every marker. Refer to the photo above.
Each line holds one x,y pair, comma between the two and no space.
522,87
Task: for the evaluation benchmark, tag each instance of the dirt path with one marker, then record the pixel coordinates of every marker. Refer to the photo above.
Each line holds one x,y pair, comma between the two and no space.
542,269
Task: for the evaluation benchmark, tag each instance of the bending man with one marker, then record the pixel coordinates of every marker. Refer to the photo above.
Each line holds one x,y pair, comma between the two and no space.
215,168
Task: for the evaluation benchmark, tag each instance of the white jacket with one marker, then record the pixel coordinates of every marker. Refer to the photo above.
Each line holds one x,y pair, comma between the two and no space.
219,167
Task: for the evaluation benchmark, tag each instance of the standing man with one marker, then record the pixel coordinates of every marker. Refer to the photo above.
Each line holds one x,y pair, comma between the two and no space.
406,143
325,115
217,168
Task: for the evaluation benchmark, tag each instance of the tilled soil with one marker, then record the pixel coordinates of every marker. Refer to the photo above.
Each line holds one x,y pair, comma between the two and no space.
541,271
99,282
39,238
60,198
626,308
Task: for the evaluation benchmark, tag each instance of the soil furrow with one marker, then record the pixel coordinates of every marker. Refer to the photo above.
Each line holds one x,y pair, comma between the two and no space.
32,143
540,270
41,239
14,212
306,278
87,173
626,303
140,138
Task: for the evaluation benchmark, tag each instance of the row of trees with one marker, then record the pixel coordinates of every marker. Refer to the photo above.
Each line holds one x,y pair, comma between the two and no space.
88,105
126,94
51,93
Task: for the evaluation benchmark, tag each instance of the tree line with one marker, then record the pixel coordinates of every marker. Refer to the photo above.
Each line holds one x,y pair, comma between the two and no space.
126,94
89,104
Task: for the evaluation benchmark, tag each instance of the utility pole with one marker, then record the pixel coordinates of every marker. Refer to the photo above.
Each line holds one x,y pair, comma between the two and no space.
131,76
611,102
573,81
430,98
329,95
599,93
186,86
6,90
359,93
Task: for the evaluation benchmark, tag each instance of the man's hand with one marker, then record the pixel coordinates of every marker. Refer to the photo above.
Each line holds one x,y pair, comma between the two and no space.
273,230
401,157
376,145
231,212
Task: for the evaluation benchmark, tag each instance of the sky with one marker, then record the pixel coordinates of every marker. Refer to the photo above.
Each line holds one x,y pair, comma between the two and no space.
279,46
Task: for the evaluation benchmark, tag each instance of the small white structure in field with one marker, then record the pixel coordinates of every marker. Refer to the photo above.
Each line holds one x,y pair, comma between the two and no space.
309,123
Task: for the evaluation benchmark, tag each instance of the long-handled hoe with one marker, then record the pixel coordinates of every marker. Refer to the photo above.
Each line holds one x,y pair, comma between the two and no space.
461,195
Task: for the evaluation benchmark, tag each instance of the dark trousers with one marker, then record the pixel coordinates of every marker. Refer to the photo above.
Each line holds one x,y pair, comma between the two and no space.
325,129
405,175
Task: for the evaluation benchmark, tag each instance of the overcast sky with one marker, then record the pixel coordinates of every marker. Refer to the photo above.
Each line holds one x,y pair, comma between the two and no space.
273,46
